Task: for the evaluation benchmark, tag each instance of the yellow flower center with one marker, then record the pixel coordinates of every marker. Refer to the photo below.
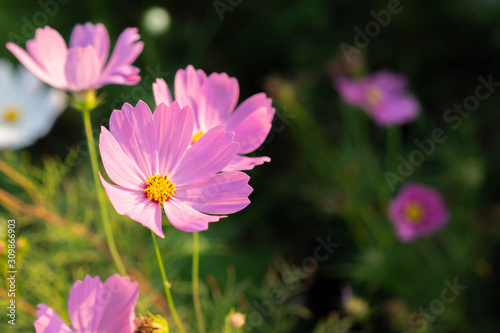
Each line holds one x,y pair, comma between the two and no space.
11,114
374,96
414,212
197,136
159,188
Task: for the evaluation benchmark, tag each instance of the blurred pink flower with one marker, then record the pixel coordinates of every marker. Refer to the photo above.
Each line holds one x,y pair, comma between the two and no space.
151,158
94,307
84,65
417,211
382,95
213,100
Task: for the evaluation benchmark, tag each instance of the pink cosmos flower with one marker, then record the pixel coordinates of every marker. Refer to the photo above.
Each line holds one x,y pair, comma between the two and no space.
417,211
94,307
151,158
382,95
213,100
85,65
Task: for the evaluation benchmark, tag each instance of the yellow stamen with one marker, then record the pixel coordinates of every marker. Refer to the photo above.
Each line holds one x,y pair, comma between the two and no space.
159,188
414,212
11,114
374,96
197,136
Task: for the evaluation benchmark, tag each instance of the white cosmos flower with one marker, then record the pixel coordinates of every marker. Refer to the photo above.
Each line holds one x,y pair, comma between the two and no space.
28,108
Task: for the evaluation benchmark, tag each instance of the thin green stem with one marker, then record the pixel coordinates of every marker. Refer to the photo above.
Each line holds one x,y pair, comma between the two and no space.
100,194
167,286
196,282
393,146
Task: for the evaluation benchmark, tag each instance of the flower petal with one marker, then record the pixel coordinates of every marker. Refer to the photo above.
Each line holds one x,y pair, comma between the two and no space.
246,108
387,81
218,97
224,193
134,129
119,69
252,131
90,34
188,84
85,304
50,50
174,129
396,110
135,205
32,64
186,218
207,156
119,298
119,167
245,163
82,68
161,92
48,321
352,91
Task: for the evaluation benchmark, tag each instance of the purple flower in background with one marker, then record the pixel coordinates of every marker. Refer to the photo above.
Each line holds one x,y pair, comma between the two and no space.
94,307
84,65
417,211
382,95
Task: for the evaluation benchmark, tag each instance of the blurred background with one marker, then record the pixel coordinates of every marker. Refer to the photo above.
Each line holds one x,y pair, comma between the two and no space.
326,183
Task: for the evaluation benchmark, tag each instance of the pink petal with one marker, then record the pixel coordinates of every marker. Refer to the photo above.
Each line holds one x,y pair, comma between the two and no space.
161,92
48,321
188,84
85,305
174,129
387,81
224,193
396,111
246,108
82,68
32,64
119,166
51,52
186,218
95,35
207,156
218,97
352,91
134,129
135,205
119,69
117,305
252,131
245,163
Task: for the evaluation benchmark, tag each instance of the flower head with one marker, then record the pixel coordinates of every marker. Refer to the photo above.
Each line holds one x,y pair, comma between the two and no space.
28,109
213,100
84,65
151,159
94,307
382,95
417,211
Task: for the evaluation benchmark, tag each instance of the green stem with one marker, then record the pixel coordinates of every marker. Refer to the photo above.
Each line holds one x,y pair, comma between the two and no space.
196,282
393,146
100,194
167,286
